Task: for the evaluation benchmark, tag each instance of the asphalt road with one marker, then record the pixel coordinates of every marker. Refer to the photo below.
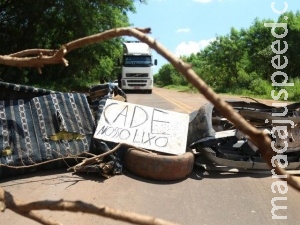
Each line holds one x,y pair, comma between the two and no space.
205,197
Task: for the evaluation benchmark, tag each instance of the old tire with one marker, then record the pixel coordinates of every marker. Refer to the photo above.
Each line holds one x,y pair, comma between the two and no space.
158,166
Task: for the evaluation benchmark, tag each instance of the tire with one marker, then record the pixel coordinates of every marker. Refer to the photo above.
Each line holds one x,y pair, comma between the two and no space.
158,166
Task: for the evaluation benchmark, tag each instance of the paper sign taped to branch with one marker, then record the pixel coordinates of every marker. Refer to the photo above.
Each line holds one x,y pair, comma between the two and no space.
143,126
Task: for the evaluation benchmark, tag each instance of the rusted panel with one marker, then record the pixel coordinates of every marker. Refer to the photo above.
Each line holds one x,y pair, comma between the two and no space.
291,141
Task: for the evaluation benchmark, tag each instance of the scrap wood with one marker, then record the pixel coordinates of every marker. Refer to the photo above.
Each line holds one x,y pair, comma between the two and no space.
96,159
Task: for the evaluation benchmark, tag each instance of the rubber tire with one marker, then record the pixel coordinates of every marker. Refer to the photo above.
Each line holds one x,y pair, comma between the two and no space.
158,166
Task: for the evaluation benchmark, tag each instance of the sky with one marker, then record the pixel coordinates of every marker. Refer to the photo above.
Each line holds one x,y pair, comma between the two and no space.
187,26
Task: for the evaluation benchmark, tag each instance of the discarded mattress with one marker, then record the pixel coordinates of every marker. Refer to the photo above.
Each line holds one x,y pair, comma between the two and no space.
36,129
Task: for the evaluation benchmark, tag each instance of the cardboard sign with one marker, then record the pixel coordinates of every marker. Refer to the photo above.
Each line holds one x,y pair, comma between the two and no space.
143,126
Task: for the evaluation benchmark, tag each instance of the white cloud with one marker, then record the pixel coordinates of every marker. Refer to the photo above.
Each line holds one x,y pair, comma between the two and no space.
203,1
187,48
183,30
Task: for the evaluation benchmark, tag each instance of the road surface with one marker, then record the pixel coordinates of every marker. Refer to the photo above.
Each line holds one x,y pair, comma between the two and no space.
205,197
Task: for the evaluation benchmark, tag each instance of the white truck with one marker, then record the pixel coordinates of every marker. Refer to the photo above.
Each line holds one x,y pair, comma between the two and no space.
136,72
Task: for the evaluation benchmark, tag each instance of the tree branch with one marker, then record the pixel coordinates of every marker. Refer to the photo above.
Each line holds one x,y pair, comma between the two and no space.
47,57
97,158
259,138
24,209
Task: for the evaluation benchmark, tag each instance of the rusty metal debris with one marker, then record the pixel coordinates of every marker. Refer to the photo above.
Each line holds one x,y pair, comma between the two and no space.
220,146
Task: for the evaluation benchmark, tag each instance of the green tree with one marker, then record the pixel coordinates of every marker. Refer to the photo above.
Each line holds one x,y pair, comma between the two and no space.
257,41
223,57
30,24
292,39
164,77
241,62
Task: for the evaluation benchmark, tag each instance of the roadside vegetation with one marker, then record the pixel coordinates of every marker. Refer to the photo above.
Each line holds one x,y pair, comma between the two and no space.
49,24
237,63
240,62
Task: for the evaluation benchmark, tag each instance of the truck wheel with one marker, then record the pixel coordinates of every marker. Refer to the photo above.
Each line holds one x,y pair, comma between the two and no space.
158,166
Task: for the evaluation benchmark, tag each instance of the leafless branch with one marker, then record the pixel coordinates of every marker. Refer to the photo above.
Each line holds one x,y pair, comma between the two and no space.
97,158
41,57
43,163
259,138
7,201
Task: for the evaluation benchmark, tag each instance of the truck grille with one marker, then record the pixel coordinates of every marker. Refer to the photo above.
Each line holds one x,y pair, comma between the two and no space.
136,74
136,83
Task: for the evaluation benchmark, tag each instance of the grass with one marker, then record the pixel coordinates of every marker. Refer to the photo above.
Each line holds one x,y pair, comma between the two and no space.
182,88
263,92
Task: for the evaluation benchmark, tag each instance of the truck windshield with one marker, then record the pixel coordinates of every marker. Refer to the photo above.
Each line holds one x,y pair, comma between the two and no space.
137,61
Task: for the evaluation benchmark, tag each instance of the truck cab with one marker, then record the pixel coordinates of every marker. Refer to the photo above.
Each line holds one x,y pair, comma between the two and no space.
137,66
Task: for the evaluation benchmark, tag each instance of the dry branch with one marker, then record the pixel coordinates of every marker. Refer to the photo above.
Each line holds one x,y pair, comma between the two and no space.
46,57
97,158
25,209
43,163
261,140
34,52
